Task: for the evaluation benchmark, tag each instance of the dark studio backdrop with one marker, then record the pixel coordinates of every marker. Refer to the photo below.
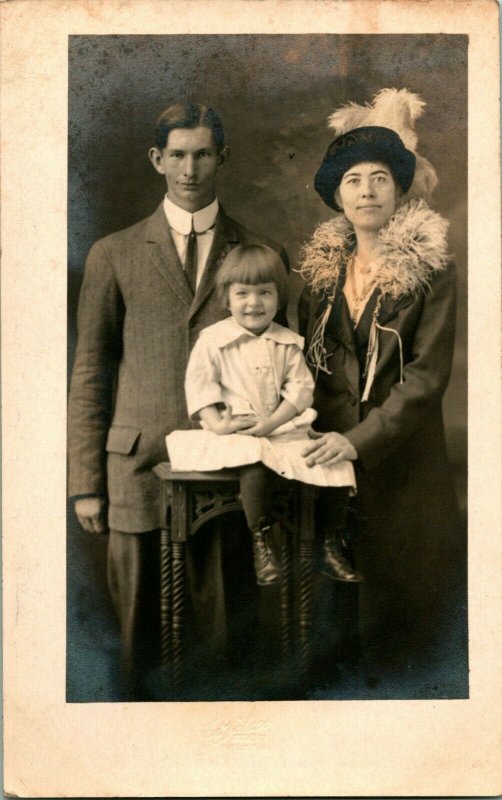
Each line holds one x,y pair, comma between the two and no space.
274,93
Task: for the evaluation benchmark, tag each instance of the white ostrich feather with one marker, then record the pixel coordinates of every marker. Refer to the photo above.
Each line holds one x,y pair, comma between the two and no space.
348,117
391,108
411,248
425,180
397,109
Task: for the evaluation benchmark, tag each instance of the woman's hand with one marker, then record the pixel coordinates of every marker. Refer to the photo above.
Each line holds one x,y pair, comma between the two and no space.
328,448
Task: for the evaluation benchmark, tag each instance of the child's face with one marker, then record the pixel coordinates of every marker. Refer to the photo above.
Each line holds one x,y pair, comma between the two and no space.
253,306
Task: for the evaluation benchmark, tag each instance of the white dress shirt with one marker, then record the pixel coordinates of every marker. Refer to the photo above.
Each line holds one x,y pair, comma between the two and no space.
180,223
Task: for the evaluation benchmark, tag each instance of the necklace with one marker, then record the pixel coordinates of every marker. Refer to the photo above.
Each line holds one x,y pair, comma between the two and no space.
368,281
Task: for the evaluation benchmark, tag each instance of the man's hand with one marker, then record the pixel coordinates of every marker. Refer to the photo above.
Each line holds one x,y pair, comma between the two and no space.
90,513
328,448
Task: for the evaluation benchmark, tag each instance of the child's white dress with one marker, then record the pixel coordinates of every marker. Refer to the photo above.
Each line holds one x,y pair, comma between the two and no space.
231,366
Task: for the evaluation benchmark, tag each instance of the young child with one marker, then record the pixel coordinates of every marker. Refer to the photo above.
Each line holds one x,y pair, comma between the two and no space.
248,375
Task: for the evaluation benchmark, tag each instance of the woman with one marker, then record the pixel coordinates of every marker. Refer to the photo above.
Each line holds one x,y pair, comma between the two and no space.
378,313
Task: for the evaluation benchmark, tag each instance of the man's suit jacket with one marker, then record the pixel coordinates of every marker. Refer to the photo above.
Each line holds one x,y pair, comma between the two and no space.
137,322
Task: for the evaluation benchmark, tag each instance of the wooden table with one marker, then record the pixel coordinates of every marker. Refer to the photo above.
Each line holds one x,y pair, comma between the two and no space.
193,498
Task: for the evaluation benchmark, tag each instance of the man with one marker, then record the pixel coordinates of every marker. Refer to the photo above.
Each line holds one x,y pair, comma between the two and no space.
147,293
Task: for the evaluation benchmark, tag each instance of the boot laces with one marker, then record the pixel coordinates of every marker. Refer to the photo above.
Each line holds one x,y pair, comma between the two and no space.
263,539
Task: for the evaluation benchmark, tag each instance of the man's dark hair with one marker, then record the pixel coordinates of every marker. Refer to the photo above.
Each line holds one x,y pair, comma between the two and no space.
188,115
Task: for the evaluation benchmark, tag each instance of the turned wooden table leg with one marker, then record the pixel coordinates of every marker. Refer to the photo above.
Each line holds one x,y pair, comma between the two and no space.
166,584
180,521
178,608
306,558
306,603
165,596
286,594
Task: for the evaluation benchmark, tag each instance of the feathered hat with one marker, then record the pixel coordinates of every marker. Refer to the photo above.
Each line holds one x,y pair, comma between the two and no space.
379,131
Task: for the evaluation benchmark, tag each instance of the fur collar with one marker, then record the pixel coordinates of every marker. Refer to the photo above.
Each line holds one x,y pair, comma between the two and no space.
411,248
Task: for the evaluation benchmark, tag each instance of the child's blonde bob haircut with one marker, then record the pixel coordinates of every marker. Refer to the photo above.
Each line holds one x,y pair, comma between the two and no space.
252,264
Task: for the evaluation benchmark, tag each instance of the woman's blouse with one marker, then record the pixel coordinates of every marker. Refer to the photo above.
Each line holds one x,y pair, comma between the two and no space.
358,295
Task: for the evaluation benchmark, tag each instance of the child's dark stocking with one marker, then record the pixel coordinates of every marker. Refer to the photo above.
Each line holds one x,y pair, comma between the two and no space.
257,492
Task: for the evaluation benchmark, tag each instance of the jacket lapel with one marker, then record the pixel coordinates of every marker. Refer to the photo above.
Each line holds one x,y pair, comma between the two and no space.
164,255
363,328
339,327
390,308
225,238
345,330
340,332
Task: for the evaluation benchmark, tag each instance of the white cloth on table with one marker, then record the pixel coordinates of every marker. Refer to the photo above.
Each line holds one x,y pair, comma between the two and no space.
205,451
250,373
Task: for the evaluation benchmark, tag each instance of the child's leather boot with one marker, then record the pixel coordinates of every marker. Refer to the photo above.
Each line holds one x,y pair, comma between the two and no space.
265,564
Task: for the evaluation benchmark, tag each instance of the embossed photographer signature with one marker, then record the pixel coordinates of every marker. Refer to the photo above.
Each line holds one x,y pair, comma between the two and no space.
239,732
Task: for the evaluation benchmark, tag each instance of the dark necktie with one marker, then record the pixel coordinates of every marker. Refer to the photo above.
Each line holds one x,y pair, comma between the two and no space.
191,260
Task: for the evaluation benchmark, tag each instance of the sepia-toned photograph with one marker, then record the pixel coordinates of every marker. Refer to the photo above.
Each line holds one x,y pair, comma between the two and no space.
251,398
273,229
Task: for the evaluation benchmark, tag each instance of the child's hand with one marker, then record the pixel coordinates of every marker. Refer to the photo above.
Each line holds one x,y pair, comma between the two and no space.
226,424
262,427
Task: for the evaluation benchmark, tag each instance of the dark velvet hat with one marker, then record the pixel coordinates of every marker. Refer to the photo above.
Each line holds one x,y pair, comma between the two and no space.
368,143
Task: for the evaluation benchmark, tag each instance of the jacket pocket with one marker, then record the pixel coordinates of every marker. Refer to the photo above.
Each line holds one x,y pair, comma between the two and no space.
122,440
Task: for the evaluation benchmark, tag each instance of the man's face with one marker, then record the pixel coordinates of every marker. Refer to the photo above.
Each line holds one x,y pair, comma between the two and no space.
189,162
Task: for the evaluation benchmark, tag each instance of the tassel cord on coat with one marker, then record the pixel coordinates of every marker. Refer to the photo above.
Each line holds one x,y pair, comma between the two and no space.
372,354
317,356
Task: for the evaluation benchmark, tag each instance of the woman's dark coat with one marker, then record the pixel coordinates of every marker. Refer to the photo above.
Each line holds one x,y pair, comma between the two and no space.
408,542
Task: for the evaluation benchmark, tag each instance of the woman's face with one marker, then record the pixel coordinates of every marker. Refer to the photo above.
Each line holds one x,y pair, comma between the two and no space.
368,195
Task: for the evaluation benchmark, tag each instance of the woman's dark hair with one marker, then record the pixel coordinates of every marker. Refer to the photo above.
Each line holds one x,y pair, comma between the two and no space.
188,115
252,264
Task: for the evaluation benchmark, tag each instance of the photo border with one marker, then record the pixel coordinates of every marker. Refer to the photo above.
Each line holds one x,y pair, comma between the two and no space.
353,748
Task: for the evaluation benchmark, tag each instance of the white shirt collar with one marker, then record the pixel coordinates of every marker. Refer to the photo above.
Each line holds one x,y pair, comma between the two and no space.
228,330
181,220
